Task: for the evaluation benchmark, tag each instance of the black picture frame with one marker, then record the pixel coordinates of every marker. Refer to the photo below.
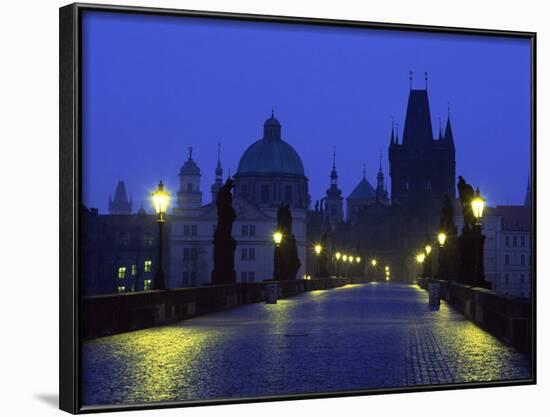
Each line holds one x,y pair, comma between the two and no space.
70,182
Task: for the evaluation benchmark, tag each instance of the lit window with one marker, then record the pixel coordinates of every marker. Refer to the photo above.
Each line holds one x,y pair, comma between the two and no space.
121,288
134,269
147,285
122,272
147,266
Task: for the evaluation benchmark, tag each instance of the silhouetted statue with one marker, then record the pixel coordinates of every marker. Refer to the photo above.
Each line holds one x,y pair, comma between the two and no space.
317,206
224,244
466,193
286,261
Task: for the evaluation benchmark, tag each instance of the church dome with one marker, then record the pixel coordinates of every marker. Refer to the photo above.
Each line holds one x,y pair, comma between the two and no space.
271,154
190,168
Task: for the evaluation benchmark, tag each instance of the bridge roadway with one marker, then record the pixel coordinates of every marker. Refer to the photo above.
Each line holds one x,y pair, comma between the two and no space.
357,336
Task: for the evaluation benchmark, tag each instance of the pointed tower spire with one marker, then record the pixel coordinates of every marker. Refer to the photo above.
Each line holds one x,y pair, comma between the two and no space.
380,181
334,173
218,177
397,133
440,137
448,137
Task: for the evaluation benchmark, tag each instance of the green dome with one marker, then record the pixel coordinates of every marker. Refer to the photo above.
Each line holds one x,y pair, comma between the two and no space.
271,155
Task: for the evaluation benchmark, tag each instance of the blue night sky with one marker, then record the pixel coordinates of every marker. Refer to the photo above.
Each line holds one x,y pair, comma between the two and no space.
155,85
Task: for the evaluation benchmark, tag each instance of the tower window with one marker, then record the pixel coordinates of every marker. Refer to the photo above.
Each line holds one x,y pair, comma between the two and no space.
146,285
134,269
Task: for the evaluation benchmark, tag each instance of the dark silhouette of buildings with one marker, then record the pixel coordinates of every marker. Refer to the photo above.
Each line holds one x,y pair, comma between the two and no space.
119,252
422,172
121,204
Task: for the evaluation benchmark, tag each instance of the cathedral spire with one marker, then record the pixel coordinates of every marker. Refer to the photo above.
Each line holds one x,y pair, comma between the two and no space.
448,137
334,173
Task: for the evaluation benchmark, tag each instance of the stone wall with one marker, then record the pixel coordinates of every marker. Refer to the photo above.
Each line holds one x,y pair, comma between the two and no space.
506,317
105,315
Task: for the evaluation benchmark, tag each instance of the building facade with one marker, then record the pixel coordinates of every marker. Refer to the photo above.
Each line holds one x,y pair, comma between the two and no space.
270,172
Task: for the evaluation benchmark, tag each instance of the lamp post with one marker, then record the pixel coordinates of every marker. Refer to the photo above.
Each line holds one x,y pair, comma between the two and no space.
441,238
277,239
373,262
478,205
318,248
428,259
161,199
337,255
344,264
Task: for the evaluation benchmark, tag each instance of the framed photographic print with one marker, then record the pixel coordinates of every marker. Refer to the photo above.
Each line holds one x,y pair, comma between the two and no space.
256,208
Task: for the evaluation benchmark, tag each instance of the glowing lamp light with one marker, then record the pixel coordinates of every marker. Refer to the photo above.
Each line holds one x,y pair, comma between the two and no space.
358,259
351,259
161,199
338,256
318,249
277,238
345,258
420,258
441,237
428,249
387,268
373,262
387,278
478,205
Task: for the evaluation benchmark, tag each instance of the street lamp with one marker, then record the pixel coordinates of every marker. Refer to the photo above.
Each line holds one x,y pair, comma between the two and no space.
161,199
345,258
358,259
337,255
478,204
277,238
318,249
428,249
441,237
373,262
420,257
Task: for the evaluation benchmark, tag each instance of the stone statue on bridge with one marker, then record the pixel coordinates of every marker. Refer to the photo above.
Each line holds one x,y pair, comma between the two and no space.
286,262
224,244
471,269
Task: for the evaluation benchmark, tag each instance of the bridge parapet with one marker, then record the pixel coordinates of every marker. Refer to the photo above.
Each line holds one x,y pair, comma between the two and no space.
506,317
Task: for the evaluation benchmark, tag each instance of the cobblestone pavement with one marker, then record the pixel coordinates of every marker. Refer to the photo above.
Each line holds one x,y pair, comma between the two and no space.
354,337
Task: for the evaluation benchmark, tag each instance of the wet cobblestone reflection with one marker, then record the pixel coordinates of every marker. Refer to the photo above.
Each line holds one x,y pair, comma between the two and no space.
358,336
